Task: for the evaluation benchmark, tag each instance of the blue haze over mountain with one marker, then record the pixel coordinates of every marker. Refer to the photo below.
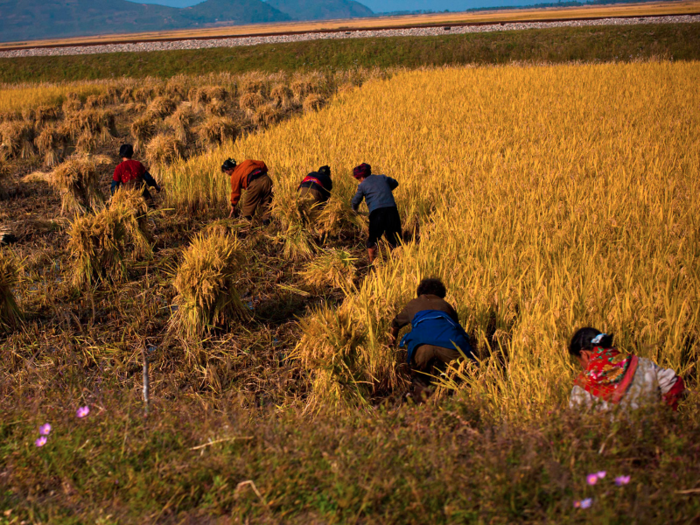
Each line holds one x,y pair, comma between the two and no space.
386,6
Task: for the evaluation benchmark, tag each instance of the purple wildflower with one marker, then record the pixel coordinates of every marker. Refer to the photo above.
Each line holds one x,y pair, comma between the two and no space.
622,480
45,429
601,474
83,411
592,479
585,503
41,441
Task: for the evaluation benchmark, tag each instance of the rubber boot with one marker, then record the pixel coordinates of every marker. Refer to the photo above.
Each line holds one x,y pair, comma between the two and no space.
372,253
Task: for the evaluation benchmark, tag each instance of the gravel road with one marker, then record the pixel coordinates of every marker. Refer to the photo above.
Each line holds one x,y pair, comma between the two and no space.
252,41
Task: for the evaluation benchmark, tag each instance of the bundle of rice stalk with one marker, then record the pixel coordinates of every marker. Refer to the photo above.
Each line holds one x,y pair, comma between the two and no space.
143,129
249,102
206,285
176,87
282,96
334,269
127,94
314,102
51,143
143,94
44,114
96,101
216,93
17,140
216,130
101,244
198,97
86,143
113,94
337,220
28,115
10,314
77,181
72,104
91,122
181,121
267,115
161,107
216,107
301,89
163,150
345,365
134,209
253,83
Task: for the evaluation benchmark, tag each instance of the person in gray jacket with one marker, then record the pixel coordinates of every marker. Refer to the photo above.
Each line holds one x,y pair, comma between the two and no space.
384,218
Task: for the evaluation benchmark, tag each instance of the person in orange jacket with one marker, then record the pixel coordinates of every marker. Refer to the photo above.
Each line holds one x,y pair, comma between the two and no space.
249,175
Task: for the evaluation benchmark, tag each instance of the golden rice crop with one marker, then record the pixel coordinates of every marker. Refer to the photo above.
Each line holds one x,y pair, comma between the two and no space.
143,129
206,283
181,121
10,314
547,197
267,115
313,102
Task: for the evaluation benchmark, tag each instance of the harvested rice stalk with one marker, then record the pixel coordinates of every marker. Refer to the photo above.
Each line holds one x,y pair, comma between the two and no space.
254,83
161,107
216,130
334,268
17,140
249,102
337,220
282,96
143,129
44,114
163,150
313,102
206,285
181,122
51,143
77,180
216,93
10,314
216,107
267,115
143,94
101,244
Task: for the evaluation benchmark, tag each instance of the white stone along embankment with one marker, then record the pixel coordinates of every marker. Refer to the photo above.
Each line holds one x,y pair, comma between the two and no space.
195,43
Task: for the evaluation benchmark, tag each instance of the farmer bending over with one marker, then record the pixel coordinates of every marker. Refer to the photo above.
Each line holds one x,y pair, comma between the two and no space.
383,216
435,334
132,174
317,185
250,175
611,378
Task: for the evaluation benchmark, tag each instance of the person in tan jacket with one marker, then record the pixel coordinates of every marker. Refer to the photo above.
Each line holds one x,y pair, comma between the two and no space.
251,176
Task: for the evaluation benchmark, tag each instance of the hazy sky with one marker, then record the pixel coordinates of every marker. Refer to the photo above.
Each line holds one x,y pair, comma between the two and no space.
379,6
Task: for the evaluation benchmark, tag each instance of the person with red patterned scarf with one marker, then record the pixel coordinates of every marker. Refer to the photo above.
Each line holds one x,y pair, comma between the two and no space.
611,378
317,186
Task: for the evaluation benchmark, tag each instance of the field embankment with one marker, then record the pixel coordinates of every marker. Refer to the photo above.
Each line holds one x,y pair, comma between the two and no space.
587,44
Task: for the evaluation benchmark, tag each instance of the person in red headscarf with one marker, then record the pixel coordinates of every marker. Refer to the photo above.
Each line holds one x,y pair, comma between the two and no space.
611,378
384,219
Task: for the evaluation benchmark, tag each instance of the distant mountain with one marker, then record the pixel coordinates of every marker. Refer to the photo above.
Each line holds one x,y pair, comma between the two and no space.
22,20
234,11
37,19
319,10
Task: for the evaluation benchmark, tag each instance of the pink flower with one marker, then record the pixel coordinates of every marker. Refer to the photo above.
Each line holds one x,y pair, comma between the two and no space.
583,504
592,479
83,411
45,429
622,480
601,474
41,441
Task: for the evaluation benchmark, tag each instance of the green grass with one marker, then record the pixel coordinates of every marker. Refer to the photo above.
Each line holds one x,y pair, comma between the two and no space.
588,44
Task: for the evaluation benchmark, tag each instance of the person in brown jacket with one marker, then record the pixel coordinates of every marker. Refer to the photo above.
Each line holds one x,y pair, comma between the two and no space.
249,175
435,330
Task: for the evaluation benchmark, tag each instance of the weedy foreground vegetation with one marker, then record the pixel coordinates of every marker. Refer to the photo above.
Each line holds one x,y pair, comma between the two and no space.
545,197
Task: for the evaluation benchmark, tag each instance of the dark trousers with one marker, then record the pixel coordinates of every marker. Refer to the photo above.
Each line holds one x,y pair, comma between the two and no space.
258,195
384,222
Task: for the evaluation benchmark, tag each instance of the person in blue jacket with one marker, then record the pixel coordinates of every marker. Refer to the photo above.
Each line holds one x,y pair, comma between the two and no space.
384,219
436,337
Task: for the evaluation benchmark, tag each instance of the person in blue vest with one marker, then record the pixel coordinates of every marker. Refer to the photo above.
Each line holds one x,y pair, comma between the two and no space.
436,337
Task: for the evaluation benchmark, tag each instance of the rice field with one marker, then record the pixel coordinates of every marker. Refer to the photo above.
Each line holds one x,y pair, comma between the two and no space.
547,198
239,372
